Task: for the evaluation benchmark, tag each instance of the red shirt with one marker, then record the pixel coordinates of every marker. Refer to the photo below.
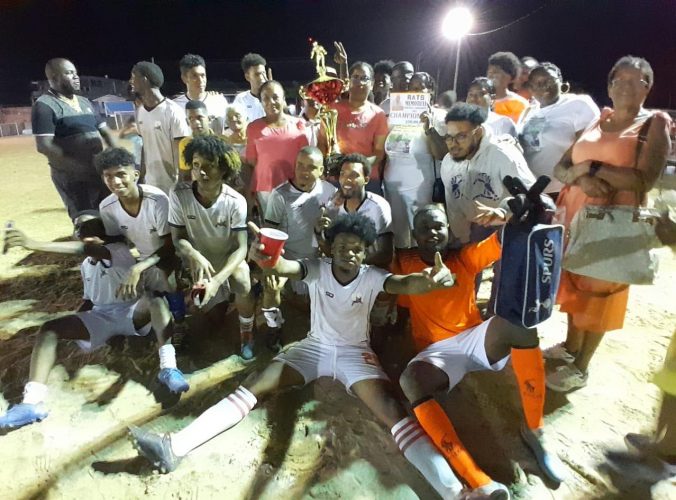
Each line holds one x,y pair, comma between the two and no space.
273,150
357,130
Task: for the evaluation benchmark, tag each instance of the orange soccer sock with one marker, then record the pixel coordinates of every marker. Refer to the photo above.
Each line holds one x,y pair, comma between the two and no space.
529,368
439,428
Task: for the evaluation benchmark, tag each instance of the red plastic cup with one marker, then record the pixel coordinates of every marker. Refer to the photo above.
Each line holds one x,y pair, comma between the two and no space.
274,240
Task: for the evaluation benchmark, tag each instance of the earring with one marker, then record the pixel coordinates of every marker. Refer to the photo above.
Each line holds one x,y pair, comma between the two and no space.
565,87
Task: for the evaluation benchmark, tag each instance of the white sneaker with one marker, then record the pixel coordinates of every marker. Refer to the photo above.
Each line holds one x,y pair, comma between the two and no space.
566,378
559,352
490,491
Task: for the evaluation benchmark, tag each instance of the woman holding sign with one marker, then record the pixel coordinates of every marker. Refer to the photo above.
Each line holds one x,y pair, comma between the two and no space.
409,172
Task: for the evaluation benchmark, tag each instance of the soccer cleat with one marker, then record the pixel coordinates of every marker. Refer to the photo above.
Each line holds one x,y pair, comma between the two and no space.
156,448
490,491
549,463
559,352
247,352
23,414
173,379
566,378
273,340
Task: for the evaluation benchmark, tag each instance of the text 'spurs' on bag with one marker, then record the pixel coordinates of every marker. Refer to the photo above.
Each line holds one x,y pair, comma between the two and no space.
530,273
615,242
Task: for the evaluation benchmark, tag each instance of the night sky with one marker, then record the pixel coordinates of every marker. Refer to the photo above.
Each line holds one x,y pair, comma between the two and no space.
583,37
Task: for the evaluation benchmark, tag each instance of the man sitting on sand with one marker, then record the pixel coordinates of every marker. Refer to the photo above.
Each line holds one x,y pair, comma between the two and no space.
453,341
108,309
342,291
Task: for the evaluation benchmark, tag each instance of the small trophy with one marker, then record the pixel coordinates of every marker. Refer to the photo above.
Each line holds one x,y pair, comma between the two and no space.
325,90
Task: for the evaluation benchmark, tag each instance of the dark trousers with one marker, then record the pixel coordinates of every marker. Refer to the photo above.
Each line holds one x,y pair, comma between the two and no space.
79,193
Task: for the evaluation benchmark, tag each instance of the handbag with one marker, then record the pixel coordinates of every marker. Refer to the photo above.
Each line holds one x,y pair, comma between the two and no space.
438,189
615,242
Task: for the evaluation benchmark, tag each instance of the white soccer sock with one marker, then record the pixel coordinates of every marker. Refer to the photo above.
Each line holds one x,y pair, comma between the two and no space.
167,356
273,317
246,324
421,452
34,393
219,418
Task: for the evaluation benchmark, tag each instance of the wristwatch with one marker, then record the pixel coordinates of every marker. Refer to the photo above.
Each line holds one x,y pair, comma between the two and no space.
594,168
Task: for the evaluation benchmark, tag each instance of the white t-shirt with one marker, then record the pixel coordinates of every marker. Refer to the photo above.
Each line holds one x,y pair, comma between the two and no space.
102,278
374,207
409,161
480,179
339,314
209,229
147,229
159,128
295,212
217,107
500,125
547,133
250,104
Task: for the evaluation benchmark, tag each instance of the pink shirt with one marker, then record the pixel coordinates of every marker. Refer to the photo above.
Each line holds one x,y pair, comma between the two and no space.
357,130
273,150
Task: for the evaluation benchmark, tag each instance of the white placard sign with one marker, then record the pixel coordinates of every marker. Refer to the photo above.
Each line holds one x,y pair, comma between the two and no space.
406,107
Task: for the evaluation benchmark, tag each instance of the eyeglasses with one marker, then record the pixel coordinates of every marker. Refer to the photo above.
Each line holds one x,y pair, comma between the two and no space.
461,137
617,83
540,84
360,79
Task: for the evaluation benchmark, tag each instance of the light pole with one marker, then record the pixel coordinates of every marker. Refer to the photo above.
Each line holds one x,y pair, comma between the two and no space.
455,26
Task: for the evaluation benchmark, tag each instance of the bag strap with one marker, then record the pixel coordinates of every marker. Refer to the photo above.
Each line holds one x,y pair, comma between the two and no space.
642,139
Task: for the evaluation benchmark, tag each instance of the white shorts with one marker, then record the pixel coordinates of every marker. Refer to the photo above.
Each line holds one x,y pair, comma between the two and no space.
461,354
347,364
106,322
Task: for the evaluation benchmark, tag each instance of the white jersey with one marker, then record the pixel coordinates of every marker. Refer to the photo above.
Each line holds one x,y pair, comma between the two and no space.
373,207
547,133
102,278
339,314
250,104
217,107
159,128
295,212
209,229
480,179
147,229
500,124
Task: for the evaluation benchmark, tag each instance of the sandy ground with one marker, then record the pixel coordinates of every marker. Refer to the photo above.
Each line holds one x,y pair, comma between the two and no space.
313,442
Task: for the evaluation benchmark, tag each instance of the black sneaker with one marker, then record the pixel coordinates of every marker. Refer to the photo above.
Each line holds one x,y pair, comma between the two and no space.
156,448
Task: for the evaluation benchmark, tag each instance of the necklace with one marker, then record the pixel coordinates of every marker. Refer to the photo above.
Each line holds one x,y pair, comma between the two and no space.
72,101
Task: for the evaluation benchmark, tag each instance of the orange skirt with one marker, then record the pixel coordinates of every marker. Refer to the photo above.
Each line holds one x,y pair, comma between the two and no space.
594,305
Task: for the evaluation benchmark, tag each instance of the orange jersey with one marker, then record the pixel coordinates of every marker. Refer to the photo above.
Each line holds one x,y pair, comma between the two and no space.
510,106
442,314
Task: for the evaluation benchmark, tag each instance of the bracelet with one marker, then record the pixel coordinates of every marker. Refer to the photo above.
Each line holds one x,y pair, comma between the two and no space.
594,168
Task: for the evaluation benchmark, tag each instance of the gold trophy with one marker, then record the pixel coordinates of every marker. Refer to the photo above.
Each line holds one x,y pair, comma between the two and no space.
324,90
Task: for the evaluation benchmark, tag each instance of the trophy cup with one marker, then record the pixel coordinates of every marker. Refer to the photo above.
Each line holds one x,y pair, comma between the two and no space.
325,90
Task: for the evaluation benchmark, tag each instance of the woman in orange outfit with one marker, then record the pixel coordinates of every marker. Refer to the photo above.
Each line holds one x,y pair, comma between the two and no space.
602,167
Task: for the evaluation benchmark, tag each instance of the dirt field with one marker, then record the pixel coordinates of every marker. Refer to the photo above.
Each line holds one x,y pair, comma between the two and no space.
314,442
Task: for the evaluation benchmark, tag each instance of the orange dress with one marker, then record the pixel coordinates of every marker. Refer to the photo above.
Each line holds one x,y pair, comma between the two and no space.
596,305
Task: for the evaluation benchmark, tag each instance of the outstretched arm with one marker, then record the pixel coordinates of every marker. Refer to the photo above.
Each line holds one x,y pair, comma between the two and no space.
438,277
291,269
92,247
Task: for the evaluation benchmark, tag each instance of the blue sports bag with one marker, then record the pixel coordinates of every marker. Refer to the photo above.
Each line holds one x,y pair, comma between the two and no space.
532,252
530,273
